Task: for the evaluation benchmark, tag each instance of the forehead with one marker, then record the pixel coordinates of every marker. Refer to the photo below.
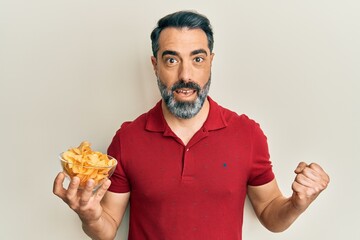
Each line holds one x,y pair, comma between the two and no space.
183,40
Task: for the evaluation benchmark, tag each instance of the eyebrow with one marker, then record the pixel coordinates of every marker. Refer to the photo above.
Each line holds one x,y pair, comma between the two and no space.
169,52
198,51
174,53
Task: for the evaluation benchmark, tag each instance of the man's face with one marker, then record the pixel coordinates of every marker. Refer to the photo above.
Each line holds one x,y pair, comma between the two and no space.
183,69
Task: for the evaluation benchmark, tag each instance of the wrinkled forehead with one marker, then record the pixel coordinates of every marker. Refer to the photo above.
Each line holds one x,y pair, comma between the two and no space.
182,40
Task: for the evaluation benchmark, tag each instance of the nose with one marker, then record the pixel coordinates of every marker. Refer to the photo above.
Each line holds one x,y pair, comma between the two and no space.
185,71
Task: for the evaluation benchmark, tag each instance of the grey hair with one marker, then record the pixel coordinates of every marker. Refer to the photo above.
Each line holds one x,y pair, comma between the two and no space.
182,19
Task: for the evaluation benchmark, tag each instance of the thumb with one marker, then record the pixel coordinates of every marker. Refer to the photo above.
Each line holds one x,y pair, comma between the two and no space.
300,167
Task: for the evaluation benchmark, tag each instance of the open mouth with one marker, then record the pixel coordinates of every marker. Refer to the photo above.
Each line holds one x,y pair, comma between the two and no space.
185,91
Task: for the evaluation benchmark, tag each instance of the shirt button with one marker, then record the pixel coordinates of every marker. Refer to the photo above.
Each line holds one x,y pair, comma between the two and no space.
187,149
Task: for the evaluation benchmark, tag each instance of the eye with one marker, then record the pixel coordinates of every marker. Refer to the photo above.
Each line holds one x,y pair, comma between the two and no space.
171,60
199,59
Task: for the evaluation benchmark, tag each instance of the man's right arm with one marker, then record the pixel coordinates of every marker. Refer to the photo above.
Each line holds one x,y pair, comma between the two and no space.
101,212
114,206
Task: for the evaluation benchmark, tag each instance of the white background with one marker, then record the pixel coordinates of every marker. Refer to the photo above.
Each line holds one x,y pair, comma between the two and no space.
75,70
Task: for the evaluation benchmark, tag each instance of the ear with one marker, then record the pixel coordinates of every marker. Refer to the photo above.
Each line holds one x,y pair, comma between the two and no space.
211,58
154,63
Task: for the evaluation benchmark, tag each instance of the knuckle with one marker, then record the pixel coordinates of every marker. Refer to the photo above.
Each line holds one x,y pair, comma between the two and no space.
295,187
56,192
83,202
299,178
309,192
72,206
74,184
324,185
69,199
100,194
309,170
327,178
305,172
302,164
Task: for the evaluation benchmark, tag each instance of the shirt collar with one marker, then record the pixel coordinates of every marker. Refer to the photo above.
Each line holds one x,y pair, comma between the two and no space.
216,119
155,121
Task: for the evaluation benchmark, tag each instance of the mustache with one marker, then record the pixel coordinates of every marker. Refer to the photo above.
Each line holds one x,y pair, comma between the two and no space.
183,84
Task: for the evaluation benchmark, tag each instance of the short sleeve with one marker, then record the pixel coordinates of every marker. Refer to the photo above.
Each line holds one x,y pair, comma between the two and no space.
119,180
261,167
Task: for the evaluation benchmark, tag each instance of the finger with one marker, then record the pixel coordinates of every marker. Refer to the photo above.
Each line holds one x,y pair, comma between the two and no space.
73,188
298,187
58,188
315,186
320,171
302,190
87,192
300,167
304,180
311,174
102,190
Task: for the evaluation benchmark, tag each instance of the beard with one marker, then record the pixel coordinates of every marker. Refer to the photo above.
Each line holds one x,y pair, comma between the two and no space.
184,109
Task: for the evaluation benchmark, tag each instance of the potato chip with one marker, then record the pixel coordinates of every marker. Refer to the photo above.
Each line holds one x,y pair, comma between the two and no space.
87,164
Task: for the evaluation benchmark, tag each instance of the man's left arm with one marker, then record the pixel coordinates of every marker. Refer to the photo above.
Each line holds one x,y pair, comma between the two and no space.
277,212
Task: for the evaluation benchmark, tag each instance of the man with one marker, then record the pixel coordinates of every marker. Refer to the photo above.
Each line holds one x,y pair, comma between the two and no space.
188,163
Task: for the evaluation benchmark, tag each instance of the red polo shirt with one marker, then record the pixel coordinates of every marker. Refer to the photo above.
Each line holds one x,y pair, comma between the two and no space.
187,192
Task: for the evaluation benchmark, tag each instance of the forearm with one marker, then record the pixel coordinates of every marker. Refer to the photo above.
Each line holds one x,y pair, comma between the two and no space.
276,212
279,214
103,229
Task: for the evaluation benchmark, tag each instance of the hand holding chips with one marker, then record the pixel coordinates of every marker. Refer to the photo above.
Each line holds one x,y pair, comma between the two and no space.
86,164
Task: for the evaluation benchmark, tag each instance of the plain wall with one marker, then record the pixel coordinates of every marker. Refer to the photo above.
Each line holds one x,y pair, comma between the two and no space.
75,70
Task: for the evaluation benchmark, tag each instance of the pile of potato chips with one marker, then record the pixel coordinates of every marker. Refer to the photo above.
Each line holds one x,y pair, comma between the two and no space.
87,164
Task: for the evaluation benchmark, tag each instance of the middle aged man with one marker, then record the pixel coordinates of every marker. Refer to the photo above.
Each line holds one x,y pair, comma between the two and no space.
188,163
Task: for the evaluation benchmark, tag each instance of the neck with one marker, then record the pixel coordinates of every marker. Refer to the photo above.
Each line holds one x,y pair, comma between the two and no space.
186,128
